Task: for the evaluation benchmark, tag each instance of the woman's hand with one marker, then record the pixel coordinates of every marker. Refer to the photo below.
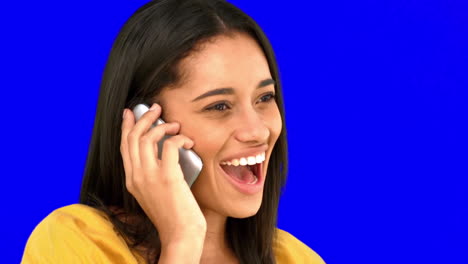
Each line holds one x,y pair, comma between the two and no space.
159,185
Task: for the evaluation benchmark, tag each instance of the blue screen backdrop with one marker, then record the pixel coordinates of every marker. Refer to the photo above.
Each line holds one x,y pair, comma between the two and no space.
376,112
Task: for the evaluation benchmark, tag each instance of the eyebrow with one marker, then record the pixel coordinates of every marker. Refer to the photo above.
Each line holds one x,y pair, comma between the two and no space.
229,90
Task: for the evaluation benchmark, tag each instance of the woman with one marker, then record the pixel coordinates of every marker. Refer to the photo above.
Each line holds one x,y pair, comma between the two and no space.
136,208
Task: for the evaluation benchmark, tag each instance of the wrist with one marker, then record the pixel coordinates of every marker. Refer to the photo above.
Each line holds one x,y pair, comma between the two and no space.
185,251
183,235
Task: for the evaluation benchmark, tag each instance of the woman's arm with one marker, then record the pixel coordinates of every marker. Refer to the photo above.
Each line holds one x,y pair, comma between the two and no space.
184,252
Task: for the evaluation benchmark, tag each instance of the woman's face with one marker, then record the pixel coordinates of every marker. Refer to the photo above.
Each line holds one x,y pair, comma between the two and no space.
244,123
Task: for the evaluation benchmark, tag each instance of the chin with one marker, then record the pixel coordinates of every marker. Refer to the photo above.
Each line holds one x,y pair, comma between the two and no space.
244,209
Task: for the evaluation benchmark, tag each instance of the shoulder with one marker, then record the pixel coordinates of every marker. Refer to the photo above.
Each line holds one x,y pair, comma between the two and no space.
76,215
76,232
81,220
289,249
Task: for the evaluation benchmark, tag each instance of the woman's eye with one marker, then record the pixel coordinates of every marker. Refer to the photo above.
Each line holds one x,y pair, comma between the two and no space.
217,107
268,97
221,107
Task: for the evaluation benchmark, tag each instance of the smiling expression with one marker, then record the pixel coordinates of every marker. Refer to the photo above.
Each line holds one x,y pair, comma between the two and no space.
227,107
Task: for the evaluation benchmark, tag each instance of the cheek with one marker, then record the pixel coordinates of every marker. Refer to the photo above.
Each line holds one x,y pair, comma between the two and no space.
276,123
207,142
200,132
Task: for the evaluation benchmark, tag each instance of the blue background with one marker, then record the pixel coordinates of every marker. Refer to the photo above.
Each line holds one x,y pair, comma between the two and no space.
376,115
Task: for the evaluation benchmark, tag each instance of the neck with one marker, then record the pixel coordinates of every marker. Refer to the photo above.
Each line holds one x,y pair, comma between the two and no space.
216,247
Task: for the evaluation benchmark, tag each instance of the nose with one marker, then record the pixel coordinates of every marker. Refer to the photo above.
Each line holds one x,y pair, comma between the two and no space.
251,127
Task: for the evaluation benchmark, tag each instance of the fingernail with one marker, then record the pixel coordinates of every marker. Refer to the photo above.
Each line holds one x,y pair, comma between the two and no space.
153,107
124,113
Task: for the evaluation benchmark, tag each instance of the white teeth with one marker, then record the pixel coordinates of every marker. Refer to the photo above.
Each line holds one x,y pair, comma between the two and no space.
243,161
251,160
259,158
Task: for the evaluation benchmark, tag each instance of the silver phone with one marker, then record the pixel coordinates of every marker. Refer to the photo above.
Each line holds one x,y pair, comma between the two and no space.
189,161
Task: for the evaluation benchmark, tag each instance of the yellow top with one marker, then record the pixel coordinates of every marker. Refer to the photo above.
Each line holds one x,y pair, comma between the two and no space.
81,234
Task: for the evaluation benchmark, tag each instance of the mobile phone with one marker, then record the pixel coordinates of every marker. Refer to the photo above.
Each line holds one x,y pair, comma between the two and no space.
190,163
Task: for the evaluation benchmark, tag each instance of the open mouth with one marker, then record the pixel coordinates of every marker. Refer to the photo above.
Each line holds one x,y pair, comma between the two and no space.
247,174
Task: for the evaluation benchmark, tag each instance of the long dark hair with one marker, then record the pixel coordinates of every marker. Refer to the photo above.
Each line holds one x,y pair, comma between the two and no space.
144,59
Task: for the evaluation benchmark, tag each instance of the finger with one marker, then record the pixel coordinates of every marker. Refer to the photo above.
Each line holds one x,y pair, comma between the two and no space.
147,119
149,143
127,124
140,128
133,138
170,152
